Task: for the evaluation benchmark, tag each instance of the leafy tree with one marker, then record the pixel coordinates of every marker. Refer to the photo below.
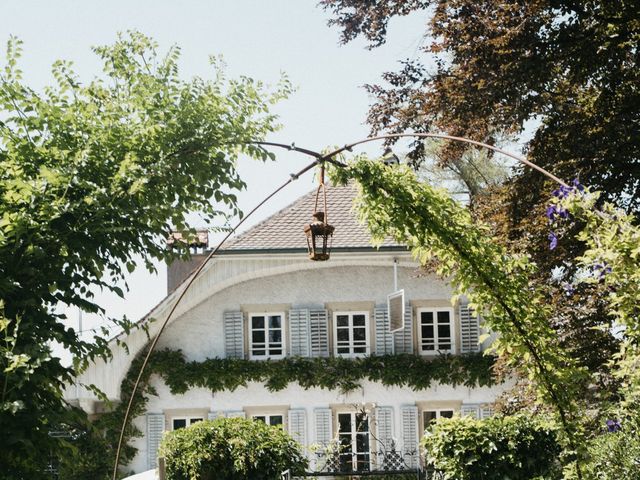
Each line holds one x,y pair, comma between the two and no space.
92,177
231,449
569,71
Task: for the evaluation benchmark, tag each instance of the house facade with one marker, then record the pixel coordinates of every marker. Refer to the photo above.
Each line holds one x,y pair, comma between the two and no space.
261,299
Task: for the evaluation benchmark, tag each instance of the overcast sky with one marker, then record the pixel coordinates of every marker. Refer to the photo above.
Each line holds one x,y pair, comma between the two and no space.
257,38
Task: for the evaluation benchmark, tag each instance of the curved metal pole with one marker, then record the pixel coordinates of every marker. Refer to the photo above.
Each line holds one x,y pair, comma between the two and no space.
193,277
348,147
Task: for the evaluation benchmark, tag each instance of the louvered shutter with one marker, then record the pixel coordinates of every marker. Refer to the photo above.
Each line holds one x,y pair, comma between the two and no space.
469,410
235,414
410,452
155,427
469,330
298,425
323,426
299,332
214,415
486,411
403,340
319,328
384,338
384,429
233,334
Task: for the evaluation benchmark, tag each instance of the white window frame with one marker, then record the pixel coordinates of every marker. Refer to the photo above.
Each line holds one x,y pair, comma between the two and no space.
188,420
267,418
354,434
283,337
351,345
438,412
452,324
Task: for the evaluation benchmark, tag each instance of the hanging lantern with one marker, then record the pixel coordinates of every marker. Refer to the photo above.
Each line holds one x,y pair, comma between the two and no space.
319,233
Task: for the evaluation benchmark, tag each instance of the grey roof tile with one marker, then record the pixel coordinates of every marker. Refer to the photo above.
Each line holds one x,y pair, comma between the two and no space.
284,229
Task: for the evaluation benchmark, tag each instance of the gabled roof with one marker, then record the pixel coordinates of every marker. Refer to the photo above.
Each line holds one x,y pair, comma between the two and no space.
284,229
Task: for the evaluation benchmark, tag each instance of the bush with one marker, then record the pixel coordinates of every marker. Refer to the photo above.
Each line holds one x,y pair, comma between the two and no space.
514,448
230,449
615,454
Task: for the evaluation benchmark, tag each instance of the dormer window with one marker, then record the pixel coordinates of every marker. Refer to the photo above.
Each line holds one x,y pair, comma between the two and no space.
266,336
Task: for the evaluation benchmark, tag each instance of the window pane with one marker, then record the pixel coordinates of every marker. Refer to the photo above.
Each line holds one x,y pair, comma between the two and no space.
179,423
342,320
427,331
428,417
257,353
257,336
343,349
275,336
359,349
275,321
343,335
362,443
359,334
358,320
275,351
443,317
426,317
275,420
444,331
444,346
257,322
446,414
260,418
344,422
362,463
362,422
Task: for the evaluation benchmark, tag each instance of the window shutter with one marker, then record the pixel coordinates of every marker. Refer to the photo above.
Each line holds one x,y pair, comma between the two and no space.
299,332
298,425
323,426
403,340
319,329
470,410
214,415
486,411
236,414
233,334
155,427
384,338
410,452
384,429
469,330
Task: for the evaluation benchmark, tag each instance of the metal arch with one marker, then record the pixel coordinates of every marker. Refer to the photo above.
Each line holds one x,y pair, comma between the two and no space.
319,159
348,147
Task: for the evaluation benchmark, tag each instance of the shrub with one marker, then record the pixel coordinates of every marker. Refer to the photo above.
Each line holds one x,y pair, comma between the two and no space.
615,454
514,448
230,449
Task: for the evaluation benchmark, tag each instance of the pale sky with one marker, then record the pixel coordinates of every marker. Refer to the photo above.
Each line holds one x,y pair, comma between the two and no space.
257,38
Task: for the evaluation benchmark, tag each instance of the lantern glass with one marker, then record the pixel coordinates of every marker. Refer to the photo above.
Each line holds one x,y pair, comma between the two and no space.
319,237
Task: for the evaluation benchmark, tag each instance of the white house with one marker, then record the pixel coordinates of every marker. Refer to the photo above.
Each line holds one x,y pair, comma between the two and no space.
262,299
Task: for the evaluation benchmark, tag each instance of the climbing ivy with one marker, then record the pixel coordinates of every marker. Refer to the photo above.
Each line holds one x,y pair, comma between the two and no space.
217,374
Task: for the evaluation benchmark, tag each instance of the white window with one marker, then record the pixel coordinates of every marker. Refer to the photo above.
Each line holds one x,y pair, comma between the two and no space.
183,422
353,436
430,416
270,419
351,333
435,328
266,335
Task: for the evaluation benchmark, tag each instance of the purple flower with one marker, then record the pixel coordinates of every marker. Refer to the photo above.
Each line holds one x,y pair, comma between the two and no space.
562,192
613,425
577,185
568,288
600,270
551,212
553,241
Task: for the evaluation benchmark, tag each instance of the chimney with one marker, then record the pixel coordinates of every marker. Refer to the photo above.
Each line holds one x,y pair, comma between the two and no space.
178,270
